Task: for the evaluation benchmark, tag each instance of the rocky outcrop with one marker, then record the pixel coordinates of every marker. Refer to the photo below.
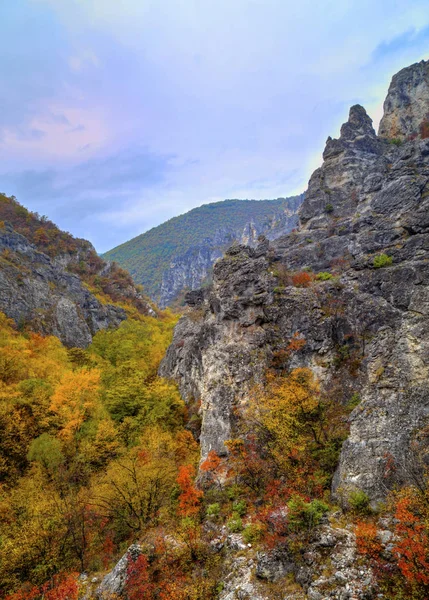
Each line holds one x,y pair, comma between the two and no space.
329,567
406,108
195,267
114,583
178,255
38,291
365,219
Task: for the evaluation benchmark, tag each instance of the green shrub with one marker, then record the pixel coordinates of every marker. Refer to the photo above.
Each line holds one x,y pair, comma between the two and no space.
354,401
220,587
305,515
232,492
329,208
46,450
213,510
324,276
240,507
382,260
395,141
253,532
359,502
235,525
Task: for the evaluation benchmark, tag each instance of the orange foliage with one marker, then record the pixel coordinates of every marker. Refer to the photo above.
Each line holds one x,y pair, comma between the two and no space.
62,587
212,462
213,466
190,496
296,343
367,541
282,356
25,593
301,279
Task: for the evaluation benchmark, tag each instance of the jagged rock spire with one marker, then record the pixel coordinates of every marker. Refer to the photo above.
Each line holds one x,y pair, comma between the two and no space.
359,123
357,134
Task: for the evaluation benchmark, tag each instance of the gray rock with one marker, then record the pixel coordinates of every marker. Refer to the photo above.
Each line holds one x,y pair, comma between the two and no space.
193,267
38,291
369,197
114,583
239,582
274,565
406,105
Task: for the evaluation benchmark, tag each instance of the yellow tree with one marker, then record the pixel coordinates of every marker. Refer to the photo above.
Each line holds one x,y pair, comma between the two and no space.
75,399
136,488
284,411
278,427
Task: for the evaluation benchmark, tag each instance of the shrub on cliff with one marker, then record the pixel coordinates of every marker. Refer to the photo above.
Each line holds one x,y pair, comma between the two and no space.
382,260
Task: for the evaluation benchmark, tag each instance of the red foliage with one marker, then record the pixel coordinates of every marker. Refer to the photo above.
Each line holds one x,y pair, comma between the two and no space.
62,587
412,547
247,464
139,584
190,496
108,551
301,279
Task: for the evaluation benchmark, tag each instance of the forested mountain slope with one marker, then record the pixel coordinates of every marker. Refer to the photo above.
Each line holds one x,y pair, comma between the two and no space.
179,254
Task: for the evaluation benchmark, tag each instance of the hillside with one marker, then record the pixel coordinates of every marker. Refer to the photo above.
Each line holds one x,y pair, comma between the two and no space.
54,283
179,254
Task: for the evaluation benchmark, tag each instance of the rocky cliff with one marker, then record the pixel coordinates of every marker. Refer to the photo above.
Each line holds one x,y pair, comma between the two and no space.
364,228
406,111
179,254
194,267
53,283
38,291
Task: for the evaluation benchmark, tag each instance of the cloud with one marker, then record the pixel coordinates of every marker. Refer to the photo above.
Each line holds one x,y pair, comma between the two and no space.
85,59
115,118
86,193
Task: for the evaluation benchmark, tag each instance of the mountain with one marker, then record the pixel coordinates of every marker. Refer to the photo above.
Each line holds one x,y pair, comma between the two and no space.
344,299
179,254
276,447
53,283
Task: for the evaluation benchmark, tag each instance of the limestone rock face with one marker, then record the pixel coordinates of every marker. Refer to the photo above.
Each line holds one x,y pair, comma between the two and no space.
366,331
114,583
407,104
194,267
38,290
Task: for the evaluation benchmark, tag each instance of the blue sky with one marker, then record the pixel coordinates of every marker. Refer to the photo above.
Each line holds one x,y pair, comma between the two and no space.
115,116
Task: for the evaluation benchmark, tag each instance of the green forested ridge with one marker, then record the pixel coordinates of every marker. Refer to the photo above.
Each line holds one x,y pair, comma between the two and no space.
149,254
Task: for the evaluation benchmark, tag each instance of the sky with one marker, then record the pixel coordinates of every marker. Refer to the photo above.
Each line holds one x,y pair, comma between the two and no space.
118,115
